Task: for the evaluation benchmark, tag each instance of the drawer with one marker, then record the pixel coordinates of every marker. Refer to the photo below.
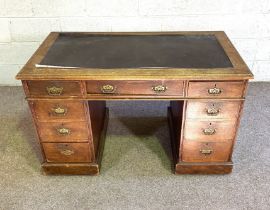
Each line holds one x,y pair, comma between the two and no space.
67,152
214,109
209,130
216,89
59,110
134,87
63,132
205,152
54,88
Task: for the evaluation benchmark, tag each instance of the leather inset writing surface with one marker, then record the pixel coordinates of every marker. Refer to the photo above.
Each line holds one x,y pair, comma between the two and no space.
130,51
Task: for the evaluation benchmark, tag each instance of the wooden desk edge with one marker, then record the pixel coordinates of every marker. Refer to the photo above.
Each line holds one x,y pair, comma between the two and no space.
240,69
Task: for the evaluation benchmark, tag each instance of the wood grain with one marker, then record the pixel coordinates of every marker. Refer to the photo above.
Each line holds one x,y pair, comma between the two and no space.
67,152
71,168
49,132
223,130
175,120
191,151
97,110
39,88
204,168
229,89
135,87
225,109
45,110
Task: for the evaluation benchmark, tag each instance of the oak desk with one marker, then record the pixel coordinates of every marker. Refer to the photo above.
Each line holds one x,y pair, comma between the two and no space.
71,75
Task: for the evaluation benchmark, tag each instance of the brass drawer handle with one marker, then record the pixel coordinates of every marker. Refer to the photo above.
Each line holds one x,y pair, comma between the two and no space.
159,88
209,131
206,151
54,91
67,152
59,111
63,131
214,91
212,111
108,89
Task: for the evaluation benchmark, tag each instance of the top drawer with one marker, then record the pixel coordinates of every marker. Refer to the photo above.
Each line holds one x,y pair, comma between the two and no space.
216,89
136,87
54,88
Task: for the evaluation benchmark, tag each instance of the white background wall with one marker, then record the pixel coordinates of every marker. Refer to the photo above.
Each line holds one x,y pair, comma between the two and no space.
25,23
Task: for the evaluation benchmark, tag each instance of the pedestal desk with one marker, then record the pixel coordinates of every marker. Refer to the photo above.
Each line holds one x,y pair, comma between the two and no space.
69,78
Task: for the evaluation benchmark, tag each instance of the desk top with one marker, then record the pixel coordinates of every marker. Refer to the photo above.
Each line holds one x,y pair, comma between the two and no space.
131,51
176,55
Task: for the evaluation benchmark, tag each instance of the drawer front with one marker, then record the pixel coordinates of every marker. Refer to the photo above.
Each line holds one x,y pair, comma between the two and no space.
59,110
216,89
205,152
118,87
214,131
63,132
214,109
67,152
54,89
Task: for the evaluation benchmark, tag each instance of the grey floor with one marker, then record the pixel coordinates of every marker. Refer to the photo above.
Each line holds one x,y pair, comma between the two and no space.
136,171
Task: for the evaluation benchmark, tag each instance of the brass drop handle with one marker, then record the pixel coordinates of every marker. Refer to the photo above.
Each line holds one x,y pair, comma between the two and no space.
209,131
59,111
63,131
67,152
212,111
54,91
214,91
159,88
108,89
206,151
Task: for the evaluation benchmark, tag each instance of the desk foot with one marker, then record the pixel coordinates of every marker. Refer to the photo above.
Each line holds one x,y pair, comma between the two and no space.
203,168
71,168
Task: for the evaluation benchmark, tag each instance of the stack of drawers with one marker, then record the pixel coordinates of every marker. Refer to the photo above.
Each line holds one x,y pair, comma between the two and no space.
62,124
211,120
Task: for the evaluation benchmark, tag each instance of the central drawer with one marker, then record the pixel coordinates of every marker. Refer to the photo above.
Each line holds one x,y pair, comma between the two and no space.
136,87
